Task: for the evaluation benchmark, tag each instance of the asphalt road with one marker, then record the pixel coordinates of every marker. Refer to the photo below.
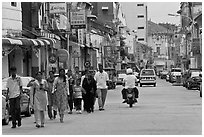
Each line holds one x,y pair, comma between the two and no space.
161,110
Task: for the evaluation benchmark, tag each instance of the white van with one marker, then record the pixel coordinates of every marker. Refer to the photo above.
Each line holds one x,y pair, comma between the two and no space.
147,77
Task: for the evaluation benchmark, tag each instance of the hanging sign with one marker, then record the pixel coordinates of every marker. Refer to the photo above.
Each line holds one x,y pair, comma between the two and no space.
58,7
78,19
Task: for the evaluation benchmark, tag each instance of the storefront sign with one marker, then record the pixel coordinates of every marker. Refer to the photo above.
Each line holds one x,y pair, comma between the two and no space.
63,55
58,7
78,19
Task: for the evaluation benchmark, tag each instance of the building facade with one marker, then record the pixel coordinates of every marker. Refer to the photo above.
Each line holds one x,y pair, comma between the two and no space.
165,49
11,15
137,19
190,28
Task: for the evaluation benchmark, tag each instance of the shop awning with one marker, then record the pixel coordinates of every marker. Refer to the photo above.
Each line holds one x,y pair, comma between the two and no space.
11,41
49,41
23,41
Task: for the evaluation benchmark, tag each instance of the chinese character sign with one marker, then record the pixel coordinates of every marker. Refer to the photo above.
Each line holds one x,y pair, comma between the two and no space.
81,36
58,7
78,19
107,51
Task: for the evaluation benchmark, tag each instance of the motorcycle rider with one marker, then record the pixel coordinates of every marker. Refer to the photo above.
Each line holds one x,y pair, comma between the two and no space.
129,82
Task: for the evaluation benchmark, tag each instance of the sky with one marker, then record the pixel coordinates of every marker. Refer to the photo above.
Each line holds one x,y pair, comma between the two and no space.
157,12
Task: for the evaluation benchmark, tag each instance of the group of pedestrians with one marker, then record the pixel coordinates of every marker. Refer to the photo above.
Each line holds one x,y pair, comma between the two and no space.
66,91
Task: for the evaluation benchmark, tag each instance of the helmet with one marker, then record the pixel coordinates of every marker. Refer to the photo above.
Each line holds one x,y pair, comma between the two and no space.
129,70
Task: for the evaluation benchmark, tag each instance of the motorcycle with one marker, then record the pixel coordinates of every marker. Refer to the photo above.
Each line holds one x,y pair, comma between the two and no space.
130,97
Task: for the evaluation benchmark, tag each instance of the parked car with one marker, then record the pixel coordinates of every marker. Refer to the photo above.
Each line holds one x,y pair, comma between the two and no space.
175,75
5,111
194,80
200,89
186,75
120,79
163,74
147,77
158,73
26,108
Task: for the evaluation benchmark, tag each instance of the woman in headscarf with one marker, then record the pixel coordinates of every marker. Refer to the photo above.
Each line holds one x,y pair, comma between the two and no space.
89,84
61,90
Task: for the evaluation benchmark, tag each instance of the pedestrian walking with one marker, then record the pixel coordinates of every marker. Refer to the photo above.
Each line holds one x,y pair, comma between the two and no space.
89,85
83,95
70,96
77,74
38,98
61,91
77,93
14,91
101,78
50,81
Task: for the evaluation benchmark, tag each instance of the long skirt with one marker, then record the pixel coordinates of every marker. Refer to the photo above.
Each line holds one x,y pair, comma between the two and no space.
61,100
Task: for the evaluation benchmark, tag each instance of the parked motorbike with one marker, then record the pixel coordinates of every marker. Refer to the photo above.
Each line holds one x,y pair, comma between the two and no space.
130,97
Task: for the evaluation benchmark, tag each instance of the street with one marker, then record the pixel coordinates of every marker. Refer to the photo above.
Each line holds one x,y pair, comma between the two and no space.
161,110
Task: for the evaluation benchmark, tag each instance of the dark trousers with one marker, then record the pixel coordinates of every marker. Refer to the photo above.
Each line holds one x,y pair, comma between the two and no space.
49,111
135,90
15,109
89,101
70,102
85,102
77,103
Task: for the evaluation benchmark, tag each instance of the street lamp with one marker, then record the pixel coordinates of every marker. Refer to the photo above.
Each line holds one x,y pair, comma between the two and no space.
176,15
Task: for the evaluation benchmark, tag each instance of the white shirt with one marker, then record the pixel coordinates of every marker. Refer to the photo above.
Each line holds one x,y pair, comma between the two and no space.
101,79
82,79
14,86
129,81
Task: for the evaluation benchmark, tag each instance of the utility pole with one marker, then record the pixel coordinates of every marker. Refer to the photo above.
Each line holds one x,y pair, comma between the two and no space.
68,4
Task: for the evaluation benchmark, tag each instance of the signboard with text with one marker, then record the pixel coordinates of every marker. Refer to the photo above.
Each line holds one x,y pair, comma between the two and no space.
76,51
58,7
107,51
81,36
78,20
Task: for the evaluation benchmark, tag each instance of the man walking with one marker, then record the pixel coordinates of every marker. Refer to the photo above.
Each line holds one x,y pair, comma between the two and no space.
14,90
101,78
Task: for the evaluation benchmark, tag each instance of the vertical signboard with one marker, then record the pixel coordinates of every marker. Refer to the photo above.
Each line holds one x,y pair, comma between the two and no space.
78,20
88,40
107,51
81,36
